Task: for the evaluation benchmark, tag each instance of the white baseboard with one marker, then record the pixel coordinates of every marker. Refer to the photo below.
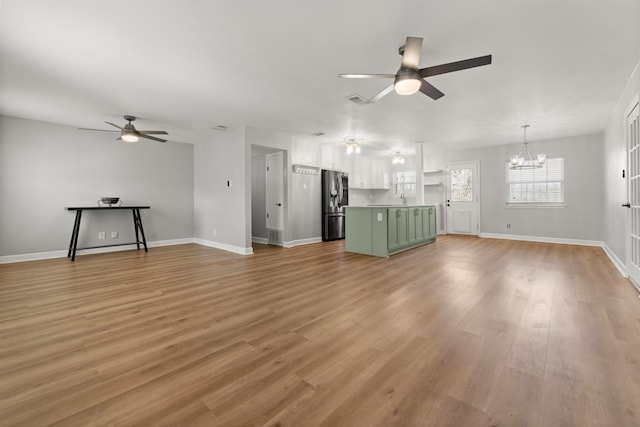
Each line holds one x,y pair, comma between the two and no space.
225,247
615,260
171,242
7,259
63,253
261,240
542,239
299,242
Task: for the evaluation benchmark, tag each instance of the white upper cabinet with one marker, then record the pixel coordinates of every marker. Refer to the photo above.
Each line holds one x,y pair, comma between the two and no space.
364,172
332,157
380,177
370,173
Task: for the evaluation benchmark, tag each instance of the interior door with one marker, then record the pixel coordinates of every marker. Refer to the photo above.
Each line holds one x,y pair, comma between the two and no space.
275,191
633,188
463,197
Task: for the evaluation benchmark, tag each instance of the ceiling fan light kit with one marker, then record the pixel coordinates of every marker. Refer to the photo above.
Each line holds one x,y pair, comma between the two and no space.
129,137
407,82
524,159
410,79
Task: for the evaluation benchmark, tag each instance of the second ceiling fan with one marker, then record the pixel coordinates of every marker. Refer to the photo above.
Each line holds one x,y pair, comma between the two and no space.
410,79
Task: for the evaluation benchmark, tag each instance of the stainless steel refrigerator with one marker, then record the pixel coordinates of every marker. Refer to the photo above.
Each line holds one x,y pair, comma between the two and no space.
335,196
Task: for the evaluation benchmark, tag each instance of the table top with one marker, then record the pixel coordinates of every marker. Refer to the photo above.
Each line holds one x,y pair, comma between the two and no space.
95,208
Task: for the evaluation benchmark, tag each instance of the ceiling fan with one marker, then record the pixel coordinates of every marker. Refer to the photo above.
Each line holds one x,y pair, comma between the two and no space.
409,79
129,133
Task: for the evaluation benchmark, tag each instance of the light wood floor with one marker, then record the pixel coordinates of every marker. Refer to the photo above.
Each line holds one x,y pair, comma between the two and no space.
463,332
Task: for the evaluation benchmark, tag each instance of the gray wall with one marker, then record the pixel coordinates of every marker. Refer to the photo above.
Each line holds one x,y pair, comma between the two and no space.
615,160
218,207
45,167
584,189
305,212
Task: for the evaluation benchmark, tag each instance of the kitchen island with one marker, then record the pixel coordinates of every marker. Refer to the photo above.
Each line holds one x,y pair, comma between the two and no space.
383,230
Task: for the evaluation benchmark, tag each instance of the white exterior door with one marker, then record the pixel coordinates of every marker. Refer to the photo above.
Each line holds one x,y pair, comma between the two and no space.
275,191
633,201
462,188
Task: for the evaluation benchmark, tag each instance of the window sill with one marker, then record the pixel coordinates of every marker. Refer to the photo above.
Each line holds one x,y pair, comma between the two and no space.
534,205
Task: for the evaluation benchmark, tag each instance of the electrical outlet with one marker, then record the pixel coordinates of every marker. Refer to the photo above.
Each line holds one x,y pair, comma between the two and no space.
508,225
114,234
101,235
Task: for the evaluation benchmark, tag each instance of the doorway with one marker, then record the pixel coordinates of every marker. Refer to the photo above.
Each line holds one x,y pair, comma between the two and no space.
260,233
274,199
462,191
633,193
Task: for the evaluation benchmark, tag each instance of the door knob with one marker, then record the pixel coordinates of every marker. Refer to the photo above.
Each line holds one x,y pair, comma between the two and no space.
278,204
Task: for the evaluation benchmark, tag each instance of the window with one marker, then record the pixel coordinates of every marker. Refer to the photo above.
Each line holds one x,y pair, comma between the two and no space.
537,187
404,182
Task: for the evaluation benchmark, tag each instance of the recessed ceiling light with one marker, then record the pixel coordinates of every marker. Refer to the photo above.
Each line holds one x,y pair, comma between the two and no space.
220,127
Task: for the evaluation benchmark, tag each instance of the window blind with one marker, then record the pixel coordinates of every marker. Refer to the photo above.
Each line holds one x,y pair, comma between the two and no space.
543,185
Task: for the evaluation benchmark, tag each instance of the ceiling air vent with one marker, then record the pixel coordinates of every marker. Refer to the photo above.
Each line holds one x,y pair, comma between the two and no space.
357,99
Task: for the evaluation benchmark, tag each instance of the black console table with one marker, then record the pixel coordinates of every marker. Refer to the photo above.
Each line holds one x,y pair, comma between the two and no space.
137,224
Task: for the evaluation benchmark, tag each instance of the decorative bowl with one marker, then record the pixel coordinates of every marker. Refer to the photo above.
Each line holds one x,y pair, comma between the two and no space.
109,200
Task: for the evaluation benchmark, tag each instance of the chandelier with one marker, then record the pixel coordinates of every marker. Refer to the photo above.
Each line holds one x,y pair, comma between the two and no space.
352,146
524,160
397,158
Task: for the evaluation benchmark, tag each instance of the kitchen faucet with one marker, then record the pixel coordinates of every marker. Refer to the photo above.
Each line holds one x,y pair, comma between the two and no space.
404,198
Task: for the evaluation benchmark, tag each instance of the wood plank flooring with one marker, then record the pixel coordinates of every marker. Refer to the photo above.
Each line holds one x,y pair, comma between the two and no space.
463,332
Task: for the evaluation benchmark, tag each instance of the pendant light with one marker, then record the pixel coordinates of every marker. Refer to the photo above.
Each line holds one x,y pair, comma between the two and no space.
397,158
352,146
524,160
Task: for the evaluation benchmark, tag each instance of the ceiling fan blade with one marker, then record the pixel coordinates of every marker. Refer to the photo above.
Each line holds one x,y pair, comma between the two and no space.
153,132
455,66
411,55
109,123
381,94
366,76
99,130
151,137
430,90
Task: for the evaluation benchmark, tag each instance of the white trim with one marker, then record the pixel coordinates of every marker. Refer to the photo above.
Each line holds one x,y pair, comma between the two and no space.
32,257
635,101
63,253
261,240
534,205
542,239
171,242
622,268
230,248
301,242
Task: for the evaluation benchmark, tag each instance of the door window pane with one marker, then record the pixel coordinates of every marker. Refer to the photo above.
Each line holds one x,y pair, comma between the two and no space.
461,185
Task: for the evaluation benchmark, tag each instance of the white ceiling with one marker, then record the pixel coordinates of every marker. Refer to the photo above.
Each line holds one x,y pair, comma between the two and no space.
186,66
